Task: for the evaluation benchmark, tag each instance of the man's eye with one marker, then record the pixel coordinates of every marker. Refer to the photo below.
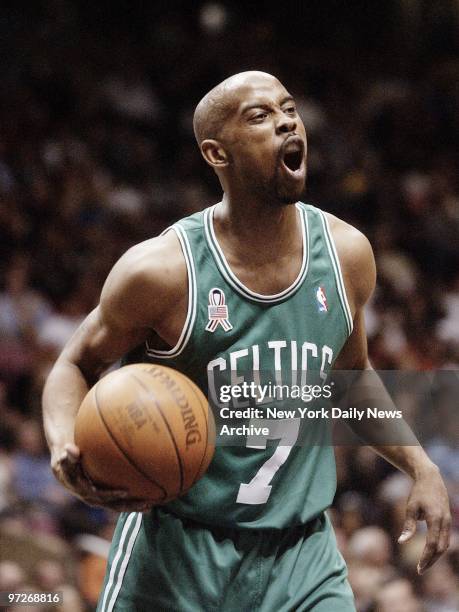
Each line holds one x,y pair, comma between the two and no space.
259,116
291,110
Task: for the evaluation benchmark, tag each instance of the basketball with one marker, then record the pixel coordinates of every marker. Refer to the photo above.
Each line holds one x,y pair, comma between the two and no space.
147,429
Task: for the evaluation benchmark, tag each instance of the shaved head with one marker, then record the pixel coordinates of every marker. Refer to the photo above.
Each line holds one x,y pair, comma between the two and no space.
217,105
249,132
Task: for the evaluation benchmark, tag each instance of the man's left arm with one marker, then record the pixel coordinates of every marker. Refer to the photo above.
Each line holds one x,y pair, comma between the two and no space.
428,499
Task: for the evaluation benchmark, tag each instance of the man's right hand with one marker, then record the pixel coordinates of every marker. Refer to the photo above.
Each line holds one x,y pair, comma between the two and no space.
67,468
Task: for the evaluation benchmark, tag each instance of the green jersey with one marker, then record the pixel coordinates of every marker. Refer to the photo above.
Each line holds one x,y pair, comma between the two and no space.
230,329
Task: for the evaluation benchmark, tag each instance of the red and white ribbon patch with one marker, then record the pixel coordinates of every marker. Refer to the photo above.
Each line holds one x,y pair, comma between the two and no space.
218,311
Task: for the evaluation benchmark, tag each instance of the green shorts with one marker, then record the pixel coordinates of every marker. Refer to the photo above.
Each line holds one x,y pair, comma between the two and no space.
159,561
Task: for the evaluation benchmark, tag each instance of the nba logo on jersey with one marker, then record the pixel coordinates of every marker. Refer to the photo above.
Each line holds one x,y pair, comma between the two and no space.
218,311
321,299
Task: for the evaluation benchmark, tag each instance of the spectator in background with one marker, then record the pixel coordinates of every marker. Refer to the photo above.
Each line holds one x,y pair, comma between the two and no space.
397,596
11,576
22,311
372,547
440,589
366,582
32,479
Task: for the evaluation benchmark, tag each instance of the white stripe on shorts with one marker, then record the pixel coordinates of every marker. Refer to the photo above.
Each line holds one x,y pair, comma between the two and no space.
137,517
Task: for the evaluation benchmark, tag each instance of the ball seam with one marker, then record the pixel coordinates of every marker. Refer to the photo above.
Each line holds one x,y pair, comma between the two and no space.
128,459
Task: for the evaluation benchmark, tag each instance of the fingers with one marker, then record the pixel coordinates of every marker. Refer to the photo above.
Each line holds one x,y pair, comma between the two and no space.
92,494
71,474
131,505
409,526
445,535
106,496
437,541
72,452
429,554
68,461
117,500
69,470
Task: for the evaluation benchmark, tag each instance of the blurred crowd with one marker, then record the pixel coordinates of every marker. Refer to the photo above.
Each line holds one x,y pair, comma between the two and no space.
97,153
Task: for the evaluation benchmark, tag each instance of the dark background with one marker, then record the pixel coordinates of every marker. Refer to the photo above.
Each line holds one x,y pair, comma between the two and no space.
97,153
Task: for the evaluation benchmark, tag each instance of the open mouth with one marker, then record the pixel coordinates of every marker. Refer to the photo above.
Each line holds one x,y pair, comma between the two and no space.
292,155
293,160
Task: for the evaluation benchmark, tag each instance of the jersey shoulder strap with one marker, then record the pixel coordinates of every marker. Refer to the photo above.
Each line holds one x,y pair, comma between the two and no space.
320,221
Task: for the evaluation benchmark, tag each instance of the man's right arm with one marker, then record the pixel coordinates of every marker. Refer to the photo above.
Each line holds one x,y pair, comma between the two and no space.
135,296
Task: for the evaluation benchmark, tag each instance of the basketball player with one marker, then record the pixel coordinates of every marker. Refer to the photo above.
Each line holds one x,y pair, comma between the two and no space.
292,283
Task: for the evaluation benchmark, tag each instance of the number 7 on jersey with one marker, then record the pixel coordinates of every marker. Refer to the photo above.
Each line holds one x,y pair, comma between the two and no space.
258,490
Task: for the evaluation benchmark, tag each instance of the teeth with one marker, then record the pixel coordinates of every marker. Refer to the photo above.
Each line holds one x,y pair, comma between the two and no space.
293,145
293,148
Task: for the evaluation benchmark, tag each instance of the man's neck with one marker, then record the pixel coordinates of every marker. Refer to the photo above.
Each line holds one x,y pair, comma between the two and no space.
254,227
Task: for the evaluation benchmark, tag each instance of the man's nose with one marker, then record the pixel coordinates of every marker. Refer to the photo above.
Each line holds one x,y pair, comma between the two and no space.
286,124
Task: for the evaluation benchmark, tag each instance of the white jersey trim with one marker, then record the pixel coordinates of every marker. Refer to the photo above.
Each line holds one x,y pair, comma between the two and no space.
192,301
338,272
232,279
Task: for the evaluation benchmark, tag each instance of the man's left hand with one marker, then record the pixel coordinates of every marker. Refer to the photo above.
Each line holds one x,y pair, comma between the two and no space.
428,501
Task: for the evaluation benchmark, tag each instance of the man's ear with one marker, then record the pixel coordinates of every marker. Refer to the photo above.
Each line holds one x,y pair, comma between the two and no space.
214,154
